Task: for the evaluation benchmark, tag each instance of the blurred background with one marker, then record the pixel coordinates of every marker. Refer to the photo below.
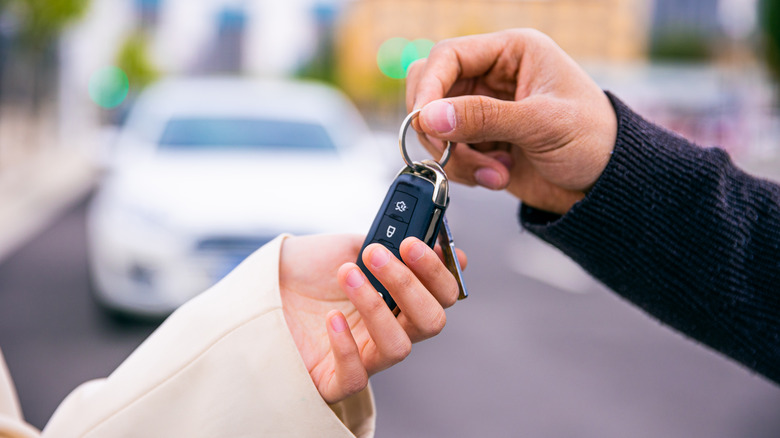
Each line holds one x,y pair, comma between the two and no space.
147,146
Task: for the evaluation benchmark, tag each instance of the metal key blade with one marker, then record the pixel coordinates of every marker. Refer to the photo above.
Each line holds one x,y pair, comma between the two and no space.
451,257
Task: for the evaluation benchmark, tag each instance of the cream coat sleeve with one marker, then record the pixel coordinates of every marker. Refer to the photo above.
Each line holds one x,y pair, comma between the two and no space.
11,423
223,365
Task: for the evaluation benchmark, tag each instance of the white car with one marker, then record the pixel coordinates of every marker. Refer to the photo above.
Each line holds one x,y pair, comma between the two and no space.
205,171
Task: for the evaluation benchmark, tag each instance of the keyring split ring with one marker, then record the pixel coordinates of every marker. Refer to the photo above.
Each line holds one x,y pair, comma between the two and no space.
402,143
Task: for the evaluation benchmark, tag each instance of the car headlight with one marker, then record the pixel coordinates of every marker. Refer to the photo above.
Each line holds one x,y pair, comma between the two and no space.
136,228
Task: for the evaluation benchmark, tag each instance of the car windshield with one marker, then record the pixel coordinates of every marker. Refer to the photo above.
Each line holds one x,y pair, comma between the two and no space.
244,134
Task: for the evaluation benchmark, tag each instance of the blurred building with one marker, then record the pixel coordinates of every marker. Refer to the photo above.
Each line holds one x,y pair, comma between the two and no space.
338,40
183,37
709,19
695,16
589,30
260,37
702,30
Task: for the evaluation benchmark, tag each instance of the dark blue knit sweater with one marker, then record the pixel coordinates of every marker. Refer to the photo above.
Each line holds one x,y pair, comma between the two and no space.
681,232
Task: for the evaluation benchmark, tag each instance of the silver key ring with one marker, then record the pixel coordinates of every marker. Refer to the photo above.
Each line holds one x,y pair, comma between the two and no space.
402,143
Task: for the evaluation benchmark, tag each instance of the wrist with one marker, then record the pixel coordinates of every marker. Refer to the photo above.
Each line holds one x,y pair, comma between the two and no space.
603,136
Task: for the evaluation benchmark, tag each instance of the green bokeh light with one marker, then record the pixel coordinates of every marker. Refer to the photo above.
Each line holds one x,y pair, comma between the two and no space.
396,55
388,58
108,87
417,49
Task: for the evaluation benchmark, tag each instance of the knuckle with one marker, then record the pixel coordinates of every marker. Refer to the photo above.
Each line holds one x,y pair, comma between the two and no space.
403,281
441,49
459,170
415,67
437,323
478,117
355,383
401,350
445,51
446,286
451,297
375,305
443,46
531,34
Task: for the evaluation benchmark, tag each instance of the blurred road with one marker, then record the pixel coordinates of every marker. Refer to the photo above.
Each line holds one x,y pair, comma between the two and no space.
52,334
538,350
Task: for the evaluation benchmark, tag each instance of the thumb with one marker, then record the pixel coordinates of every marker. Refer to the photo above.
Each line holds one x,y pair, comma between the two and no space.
474,119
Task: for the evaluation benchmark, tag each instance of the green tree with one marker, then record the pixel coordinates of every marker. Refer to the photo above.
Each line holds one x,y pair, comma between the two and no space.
42,20
40,23
680,45
133,58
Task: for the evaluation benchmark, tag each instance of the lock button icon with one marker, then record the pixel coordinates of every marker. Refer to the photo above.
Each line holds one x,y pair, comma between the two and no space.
391,231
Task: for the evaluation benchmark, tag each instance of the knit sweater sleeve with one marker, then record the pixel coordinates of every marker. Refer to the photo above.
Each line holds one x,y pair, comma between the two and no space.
681,232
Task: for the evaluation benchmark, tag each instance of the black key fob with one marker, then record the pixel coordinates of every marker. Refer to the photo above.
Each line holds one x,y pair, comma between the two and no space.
414,206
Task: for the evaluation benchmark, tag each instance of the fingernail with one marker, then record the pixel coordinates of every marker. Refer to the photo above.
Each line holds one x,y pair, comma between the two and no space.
354,279
416,251
380,257
439,115
338,323
488,177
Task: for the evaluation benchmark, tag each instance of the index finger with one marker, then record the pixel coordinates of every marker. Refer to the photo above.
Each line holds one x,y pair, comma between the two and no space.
459,58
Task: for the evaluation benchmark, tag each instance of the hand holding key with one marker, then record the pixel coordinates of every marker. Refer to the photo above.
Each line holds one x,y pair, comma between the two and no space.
536,124
340,324
414,206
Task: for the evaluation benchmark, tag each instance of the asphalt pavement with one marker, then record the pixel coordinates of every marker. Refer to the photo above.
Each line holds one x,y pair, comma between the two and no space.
52,334
538,349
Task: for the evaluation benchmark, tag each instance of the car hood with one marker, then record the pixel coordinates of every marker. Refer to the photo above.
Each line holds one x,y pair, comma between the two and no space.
250,195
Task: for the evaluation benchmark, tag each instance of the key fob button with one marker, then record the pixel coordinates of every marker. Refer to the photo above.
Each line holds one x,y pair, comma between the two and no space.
401,206
391,230
389,245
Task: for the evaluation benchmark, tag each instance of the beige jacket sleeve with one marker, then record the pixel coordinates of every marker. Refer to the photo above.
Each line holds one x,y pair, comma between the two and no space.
11,423
223,365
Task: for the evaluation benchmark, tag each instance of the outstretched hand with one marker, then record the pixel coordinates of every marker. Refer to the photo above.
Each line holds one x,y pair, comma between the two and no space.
343,329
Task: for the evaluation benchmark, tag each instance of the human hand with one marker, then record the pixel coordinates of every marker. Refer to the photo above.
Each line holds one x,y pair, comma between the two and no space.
343,329
536,123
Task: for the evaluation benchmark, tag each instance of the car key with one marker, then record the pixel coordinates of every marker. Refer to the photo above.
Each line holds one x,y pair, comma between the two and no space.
414,206
451,257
